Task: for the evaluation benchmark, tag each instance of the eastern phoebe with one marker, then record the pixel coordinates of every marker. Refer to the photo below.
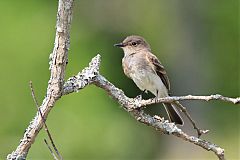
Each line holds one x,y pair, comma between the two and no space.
147,72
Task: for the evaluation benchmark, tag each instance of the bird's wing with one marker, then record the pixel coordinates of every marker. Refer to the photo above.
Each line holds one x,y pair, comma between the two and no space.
159,69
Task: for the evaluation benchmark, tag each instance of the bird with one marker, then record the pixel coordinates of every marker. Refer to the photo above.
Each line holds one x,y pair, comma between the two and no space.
147,72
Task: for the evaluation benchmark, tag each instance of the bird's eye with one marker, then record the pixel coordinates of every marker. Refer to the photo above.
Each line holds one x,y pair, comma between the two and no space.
134,43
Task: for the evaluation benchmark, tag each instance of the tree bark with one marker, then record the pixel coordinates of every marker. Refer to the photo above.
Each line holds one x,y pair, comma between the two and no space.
58,62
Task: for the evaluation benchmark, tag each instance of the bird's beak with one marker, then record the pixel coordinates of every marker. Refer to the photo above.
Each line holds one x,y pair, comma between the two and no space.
119,45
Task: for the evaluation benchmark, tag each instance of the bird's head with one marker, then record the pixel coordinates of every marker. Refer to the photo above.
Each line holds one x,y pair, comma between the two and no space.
133,44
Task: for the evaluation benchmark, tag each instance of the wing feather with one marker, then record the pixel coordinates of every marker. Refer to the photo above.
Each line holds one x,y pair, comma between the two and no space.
159,69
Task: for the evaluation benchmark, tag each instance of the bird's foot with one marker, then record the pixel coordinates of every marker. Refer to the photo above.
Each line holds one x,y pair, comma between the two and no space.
139,97
156,98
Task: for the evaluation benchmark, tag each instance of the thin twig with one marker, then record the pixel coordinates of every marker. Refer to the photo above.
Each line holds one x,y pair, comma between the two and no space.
175,99
44,121
50,149
184,110
188,97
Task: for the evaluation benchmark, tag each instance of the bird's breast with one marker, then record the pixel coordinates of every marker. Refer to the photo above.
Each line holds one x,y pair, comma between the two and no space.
129,66
137,70
143,76
135,64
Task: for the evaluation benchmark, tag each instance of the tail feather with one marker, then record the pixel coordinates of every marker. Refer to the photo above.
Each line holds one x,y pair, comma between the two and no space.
173,114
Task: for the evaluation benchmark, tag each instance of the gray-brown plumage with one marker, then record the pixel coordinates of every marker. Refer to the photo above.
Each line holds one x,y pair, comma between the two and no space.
147,72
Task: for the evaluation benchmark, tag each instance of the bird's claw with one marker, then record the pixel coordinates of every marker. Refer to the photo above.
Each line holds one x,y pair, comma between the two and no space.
139,97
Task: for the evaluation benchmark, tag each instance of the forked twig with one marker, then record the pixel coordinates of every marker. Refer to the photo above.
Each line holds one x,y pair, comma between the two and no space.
44,122
184,110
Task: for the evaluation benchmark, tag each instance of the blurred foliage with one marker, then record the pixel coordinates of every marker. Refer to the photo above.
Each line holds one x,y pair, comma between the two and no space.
197,41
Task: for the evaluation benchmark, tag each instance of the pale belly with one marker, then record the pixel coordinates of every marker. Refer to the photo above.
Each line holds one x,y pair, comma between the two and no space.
151,82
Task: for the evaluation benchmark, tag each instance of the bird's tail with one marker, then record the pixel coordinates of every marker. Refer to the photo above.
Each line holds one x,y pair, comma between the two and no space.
173,114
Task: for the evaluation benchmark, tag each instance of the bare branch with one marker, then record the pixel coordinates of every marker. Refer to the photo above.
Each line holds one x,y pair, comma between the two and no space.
90,75
188,97
44,123
58,61
83,78
156,122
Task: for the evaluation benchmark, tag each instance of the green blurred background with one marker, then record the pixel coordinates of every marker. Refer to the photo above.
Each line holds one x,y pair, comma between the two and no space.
197,41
